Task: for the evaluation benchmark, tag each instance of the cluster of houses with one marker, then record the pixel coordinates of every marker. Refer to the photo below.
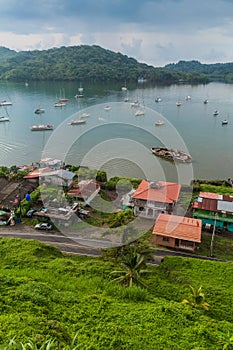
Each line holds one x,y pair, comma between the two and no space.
155,200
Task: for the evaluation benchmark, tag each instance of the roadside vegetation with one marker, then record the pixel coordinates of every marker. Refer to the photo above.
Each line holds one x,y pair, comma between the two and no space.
55,301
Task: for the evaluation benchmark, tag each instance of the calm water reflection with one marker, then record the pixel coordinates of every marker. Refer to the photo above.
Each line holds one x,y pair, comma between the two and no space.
116,139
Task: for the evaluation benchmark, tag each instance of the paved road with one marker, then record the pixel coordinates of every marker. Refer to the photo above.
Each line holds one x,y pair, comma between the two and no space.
64,243
70,244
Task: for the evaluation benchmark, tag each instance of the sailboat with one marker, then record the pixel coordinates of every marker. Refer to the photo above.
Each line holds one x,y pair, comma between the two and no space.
80,92
62,97
59,104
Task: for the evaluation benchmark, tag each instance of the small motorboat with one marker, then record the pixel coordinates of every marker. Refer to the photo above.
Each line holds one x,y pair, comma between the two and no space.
41,127
84,115
216,112
63,100
178,103
4,119
158,99
159,122
224,122
39,111
5,103
107,108
139,112
77,122
188,98
79,96
205,101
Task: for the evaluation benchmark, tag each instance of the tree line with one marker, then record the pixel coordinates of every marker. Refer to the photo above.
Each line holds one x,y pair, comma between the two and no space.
85,63
214,72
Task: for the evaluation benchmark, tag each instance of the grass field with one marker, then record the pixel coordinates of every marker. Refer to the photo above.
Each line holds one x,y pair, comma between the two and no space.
45,294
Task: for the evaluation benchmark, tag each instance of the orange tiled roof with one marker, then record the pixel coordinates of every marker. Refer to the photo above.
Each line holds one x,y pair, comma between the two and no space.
209,195
164,192
185,228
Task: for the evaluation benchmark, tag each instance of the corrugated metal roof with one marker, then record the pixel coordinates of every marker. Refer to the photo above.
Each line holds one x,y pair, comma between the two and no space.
225,206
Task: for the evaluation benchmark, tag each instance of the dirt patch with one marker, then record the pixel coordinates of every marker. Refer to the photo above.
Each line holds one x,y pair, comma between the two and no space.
10,190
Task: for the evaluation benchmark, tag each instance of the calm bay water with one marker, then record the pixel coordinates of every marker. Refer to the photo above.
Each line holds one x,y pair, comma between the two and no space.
117,140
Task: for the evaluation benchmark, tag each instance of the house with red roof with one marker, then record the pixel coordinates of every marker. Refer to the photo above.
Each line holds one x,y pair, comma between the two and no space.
214,210
177,232
152,198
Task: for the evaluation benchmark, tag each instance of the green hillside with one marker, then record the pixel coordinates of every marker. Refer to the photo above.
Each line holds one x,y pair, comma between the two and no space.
216,71
6,53
47,295
85,63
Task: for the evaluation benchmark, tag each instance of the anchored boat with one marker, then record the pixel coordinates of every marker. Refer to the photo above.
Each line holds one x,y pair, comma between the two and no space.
172,154
77,122
41,127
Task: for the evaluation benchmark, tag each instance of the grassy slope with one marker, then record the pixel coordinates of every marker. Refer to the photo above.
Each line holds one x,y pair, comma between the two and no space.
46,294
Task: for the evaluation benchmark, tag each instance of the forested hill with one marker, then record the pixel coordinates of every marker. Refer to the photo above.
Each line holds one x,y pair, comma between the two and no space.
6,53
216,71
75,63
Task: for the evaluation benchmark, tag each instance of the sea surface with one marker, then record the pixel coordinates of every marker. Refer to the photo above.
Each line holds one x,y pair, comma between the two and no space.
116,139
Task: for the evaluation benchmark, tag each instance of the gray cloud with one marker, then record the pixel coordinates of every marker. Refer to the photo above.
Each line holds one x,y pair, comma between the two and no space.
156,28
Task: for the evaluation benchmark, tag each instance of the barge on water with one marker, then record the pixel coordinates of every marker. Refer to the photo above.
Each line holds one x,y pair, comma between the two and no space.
172,154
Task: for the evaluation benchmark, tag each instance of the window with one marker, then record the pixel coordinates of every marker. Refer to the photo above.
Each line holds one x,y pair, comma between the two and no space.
166,239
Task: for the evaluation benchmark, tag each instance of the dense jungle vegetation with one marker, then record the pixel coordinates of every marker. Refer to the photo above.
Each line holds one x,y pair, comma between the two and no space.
214,72
51,301
84,63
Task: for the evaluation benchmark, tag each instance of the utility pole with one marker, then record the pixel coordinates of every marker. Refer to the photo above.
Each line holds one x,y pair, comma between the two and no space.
212,238
20,208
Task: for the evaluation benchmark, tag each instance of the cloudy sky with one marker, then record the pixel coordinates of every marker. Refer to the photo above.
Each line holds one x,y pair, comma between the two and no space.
156,32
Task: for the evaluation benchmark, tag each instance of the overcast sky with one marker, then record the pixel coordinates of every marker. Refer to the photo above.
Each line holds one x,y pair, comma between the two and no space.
156,32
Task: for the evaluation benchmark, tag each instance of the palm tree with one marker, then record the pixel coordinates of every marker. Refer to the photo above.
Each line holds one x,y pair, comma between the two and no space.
196,299
132,269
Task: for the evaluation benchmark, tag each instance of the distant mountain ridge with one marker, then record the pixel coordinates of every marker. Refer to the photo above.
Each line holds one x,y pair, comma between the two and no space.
82,63
214,71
